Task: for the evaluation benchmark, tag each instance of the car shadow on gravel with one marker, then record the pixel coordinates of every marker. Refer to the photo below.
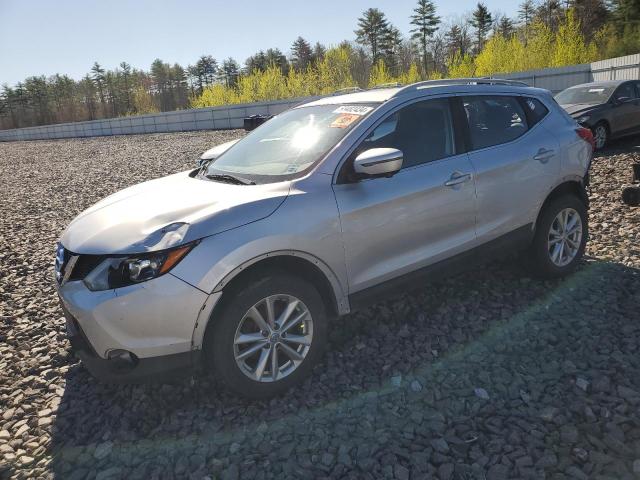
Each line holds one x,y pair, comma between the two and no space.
491,373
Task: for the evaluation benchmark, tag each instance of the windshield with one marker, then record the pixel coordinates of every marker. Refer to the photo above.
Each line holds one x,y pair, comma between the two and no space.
289,144
591,94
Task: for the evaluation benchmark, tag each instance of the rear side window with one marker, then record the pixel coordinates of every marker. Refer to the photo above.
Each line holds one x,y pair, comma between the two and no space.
625,90
536,110
494,120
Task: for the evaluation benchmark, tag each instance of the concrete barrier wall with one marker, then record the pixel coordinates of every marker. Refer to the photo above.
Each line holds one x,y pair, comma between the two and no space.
213,118
228,117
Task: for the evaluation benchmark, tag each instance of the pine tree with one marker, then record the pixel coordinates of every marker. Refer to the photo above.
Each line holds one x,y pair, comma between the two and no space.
301,54
230,72
256,62
550,12
273,56
426,23
97,75
319,52
126,85
391,49
372,32
626,13
458,40
481,20
505,27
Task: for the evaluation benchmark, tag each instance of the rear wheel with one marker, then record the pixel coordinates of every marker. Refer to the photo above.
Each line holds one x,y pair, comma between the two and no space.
560,238
268,337
600,135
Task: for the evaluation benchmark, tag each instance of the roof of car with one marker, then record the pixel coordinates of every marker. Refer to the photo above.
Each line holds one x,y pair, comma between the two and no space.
603,83
376,95
379,95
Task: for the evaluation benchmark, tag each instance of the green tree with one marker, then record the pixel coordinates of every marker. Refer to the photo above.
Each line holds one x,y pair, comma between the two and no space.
505,27
481,21
372,32
229,72
258,62
274,56
319,51
425,23
97,75
626,13
458,40
301,54
126,86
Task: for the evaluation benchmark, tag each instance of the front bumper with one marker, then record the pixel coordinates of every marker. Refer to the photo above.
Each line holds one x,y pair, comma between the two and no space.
152,323
135,370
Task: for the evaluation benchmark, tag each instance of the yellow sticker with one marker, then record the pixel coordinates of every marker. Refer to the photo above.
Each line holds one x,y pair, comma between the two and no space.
344,120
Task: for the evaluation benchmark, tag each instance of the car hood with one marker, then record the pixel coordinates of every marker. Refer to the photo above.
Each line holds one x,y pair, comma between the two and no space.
575,109
137,218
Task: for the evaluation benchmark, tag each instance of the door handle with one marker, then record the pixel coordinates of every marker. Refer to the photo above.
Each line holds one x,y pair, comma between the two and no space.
457,178
544,155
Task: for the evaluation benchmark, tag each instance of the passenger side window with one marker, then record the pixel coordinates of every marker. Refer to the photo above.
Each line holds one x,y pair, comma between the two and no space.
625,91
494,120
422,131
536,110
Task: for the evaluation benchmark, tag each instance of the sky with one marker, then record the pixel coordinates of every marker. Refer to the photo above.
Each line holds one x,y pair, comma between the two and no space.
44,37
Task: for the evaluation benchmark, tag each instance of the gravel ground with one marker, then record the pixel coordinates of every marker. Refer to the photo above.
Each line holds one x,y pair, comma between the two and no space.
491,375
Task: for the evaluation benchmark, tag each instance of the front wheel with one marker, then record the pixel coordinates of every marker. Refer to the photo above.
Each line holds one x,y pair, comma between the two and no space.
268,337
600,135
560,238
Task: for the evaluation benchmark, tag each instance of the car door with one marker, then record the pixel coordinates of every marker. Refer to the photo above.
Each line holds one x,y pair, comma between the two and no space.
422,214
625,110
516,160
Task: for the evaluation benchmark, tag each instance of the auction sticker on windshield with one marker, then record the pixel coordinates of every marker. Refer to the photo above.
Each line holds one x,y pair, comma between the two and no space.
353,109
344,120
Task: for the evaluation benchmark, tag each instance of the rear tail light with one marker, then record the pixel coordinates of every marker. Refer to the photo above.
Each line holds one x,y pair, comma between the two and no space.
587,136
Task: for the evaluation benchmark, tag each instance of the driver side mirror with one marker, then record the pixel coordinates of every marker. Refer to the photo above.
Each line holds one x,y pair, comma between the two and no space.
620,100
378,162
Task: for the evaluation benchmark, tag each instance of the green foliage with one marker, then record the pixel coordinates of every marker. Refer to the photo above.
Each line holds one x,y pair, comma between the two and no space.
547,34
425,23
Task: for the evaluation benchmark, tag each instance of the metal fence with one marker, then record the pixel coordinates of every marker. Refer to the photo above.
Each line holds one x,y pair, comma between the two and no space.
557,79
221,118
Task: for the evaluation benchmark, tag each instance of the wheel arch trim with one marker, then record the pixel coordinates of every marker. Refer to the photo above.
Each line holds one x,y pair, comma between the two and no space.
339,292
566,183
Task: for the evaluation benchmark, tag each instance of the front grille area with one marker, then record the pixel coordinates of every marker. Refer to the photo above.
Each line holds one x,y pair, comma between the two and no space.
80,265
84,265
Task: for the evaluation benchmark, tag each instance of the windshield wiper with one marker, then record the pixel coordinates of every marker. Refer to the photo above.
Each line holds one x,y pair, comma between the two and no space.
223,177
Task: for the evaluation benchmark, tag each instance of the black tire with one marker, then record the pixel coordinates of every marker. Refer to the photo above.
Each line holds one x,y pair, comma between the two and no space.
600,127
538,258
220,337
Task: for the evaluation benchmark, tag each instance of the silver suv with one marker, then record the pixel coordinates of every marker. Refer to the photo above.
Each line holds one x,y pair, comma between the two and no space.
237,266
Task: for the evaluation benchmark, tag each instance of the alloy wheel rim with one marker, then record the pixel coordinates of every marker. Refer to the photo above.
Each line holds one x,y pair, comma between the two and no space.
273,338
600,136
565,237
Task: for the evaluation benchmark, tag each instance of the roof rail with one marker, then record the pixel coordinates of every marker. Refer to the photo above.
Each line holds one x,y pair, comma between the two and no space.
342,91
460,81
386,85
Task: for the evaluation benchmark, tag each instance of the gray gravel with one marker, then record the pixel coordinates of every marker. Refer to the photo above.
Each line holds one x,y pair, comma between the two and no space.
488,376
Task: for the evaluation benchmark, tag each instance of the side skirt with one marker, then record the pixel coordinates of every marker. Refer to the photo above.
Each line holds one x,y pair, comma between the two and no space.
514,241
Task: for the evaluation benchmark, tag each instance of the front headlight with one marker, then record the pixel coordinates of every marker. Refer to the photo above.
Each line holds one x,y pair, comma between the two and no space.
583,119
120,271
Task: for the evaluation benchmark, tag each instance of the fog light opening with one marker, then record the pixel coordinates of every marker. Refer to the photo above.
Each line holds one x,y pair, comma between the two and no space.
122,360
